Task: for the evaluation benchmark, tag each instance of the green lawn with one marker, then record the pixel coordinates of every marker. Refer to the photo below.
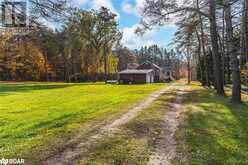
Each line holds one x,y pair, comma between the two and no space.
40,116
214,131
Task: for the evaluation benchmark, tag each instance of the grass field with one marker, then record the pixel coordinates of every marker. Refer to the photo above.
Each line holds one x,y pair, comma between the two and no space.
135,140
39,116
214,131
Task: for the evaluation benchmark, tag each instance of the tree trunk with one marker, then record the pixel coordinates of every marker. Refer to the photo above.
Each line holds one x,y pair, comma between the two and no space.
188,66
189,72
97,67
105,64
221,43
223,48
66,79
74,69
228,66
199,57
205,61
236,82
244,33
215,46
46,69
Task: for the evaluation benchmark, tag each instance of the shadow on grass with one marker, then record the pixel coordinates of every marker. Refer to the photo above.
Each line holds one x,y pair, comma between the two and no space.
215,130
34,129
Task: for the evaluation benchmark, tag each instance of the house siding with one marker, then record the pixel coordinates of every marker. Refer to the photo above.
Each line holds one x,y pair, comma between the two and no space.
156,70
134,78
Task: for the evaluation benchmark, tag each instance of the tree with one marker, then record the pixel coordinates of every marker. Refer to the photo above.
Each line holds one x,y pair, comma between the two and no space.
158,13
219,83
47,9
203,45
236,88
110,32
125,57
73,47
90,37
244,32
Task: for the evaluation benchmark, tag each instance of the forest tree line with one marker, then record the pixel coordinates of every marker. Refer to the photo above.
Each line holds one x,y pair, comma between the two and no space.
74,55
212,36
87,47
79,51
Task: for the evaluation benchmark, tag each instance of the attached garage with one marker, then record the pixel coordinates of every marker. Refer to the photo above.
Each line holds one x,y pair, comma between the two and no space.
136,76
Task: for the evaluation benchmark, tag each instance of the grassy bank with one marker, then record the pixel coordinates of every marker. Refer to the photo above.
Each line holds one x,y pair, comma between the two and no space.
39,116
214,131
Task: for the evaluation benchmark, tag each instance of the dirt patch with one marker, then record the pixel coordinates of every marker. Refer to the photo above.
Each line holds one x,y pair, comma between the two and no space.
165,149
73,154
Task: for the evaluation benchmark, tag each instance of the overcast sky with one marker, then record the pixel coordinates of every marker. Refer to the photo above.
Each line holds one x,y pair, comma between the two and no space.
128,12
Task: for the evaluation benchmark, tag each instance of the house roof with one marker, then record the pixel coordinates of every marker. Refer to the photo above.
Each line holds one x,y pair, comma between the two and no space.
132,66
136,71
148,62
156,66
